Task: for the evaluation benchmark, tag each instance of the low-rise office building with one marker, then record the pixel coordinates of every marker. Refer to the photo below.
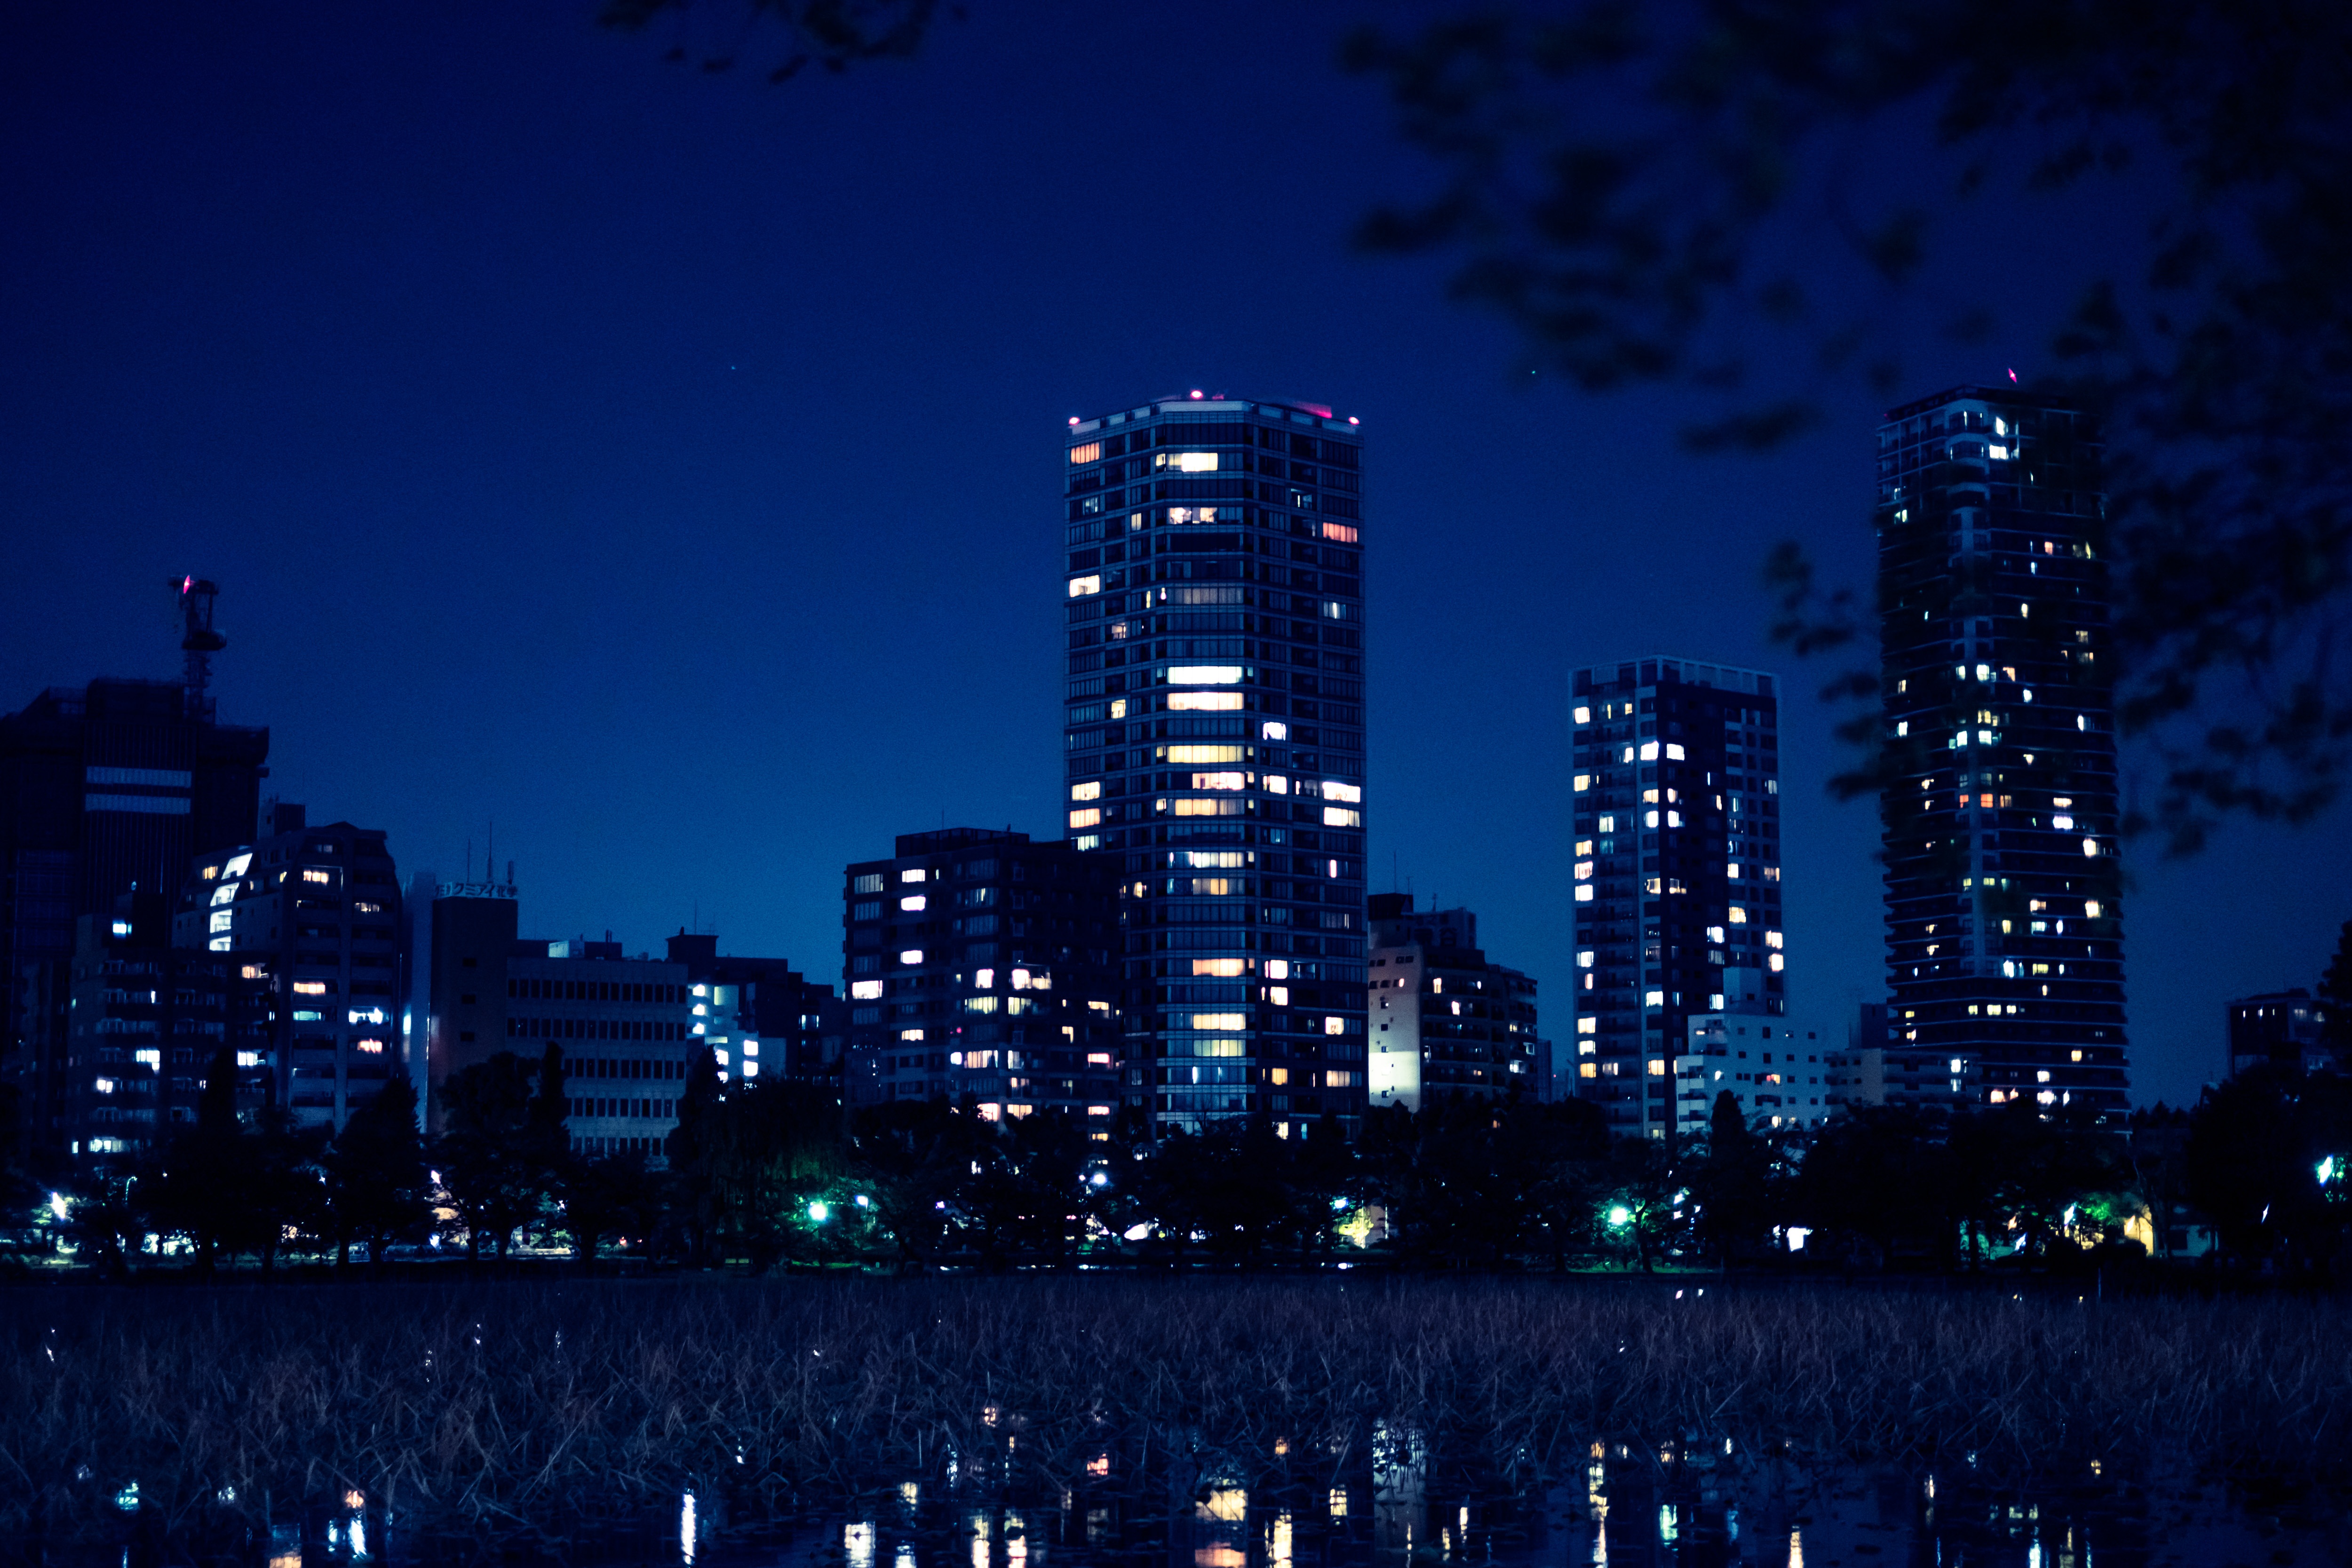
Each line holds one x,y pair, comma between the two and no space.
1782,1071
1442,1017
2282,1029
312,915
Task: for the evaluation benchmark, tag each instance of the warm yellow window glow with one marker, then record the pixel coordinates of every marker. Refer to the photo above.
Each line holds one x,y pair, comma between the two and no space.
1340,816
309,988
1186,808
1218,780
1203,702
1334,790
865,989
312,874
1087,453
1086,817
1204,675
1221,1020
1344,533
911,902
1197,755
1223,968
1081,586
1092,791
1186,462
1277,1075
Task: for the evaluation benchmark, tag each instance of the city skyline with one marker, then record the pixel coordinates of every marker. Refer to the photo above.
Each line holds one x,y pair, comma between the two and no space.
642,541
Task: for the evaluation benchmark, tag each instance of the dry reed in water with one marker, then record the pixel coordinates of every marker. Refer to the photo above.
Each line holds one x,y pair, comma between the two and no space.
474,1403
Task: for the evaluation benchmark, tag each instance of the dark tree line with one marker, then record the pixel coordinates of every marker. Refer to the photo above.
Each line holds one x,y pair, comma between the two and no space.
773,1175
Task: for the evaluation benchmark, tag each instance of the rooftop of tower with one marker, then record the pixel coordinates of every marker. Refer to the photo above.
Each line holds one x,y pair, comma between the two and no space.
1293,410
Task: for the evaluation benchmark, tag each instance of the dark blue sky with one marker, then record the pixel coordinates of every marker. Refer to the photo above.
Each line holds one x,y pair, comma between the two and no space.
666,466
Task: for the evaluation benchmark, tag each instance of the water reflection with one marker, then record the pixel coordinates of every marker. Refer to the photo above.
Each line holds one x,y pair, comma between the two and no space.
1391,1499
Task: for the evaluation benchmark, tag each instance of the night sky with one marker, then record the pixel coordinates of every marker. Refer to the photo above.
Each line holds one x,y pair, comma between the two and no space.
666,466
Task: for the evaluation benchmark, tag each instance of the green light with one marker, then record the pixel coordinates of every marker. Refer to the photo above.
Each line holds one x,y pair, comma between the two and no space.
1619,1216
817,1212
2328,1170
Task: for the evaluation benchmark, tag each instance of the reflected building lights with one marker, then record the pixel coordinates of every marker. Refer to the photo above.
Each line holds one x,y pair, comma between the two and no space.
687,1530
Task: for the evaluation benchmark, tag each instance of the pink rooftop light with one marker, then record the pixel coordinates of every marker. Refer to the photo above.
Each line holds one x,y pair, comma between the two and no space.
1196,394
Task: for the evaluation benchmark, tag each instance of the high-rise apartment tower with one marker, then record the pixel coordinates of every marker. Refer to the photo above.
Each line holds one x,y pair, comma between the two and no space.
2003,925
1676,833
1215,746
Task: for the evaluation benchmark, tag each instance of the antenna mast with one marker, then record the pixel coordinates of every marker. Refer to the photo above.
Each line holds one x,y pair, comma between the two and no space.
198,643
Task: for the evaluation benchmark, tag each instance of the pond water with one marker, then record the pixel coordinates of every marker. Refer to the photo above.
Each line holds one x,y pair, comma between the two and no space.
1696,1505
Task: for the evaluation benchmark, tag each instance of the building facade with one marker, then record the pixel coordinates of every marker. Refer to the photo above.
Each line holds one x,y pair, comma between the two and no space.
312,916
455,939
2004,925
1676,902
143,1027
982,968
2283,1029
103,788
1785,1074
765,1016
625,1030
1214,740
1442,1018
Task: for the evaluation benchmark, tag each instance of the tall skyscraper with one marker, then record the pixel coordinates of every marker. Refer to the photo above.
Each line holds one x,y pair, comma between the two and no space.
1215,748
1676,831
2003,926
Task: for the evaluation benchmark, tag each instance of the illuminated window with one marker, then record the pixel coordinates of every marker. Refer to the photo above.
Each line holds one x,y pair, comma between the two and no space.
1335,1025
911,955
1341,817
372,1047
1771,938
912,902
1186,462
1086,816
871,882
1190,807
865,989
1087,453
1225,967
1086,791
1220,1020
1081,586
1588,1025
310,987
1674,751
1584,715
1334,790
1583,782
1204,675
1584,870
1274,729
1584,892
1649,750
1738,915
1204,701
1199,754
1277,969
312,874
